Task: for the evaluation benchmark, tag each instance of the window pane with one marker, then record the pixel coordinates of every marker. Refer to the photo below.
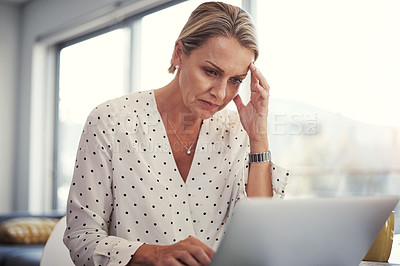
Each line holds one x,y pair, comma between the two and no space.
341,56
91,72
333,69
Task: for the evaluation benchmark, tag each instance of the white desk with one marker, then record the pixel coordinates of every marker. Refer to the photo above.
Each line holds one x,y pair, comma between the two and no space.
394,255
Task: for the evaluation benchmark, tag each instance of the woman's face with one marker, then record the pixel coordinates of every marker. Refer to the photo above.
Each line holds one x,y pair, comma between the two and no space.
210,76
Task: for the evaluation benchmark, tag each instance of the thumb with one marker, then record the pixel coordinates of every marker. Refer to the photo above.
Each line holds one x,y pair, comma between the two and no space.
238,102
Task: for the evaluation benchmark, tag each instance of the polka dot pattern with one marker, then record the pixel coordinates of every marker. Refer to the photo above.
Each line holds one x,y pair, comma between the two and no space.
127,190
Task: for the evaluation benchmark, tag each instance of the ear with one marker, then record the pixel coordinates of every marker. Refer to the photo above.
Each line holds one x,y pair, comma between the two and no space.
178,52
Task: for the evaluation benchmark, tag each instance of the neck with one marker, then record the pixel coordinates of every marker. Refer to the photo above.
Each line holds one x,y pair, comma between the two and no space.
170,105
180,124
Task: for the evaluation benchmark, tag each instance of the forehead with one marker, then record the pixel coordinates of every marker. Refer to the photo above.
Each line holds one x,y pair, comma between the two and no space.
227,53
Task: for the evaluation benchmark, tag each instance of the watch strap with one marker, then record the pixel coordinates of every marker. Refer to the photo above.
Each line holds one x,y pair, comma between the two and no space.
260,157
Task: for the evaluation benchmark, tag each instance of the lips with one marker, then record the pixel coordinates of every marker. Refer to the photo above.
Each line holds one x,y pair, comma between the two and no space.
209,105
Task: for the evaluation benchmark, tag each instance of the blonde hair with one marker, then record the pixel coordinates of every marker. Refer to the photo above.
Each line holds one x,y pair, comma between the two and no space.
215,19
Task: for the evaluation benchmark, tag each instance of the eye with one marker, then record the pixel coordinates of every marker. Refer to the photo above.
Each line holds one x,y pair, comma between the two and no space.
211,72
236,80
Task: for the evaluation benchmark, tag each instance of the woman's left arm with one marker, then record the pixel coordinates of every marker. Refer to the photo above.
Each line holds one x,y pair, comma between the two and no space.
254,118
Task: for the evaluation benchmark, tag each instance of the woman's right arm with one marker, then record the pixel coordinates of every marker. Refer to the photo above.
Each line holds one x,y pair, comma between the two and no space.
90,201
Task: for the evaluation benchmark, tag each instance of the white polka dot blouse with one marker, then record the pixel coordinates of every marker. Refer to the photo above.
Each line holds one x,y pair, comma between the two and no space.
126,189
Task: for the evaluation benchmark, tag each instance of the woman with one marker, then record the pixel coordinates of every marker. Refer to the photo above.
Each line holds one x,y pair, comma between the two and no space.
158,173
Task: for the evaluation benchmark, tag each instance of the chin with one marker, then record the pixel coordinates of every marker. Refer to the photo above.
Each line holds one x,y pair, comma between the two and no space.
203,114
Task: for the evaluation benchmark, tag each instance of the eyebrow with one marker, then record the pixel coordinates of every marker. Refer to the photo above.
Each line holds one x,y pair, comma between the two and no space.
221,70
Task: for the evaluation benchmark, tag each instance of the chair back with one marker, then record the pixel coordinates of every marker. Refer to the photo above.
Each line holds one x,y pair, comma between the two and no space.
55,252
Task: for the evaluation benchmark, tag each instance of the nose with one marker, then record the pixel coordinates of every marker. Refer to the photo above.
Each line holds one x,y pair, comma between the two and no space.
218,90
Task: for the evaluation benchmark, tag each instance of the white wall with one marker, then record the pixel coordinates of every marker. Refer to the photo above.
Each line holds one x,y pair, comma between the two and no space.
9,25
33,96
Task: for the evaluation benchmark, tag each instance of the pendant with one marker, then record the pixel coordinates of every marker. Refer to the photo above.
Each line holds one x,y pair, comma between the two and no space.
188,152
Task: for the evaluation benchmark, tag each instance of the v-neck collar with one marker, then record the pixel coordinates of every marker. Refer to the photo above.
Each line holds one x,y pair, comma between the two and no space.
167,143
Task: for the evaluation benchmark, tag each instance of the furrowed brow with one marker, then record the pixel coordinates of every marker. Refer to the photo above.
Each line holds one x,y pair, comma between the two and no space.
222,71
217,67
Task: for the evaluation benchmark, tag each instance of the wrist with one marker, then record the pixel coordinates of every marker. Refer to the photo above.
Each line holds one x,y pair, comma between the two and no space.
259,145
144,255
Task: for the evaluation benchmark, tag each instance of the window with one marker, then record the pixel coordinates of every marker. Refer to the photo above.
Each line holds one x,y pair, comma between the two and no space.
332,67
90,72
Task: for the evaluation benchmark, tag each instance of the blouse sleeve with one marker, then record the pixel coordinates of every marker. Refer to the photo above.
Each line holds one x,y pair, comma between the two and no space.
279,178
90,201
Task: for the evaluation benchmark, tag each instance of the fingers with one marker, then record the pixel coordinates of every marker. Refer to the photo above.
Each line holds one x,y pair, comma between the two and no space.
238,101
200,251
190,251
208,251
258,81
186,257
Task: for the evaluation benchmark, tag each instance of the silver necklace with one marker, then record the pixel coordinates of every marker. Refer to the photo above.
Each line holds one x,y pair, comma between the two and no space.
188,149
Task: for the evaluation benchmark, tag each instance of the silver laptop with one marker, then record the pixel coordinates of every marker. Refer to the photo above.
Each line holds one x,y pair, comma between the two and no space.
303,232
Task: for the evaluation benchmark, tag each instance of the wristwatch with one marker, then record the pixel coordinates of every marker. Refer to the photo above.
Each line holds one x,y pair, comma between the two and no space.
260,157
